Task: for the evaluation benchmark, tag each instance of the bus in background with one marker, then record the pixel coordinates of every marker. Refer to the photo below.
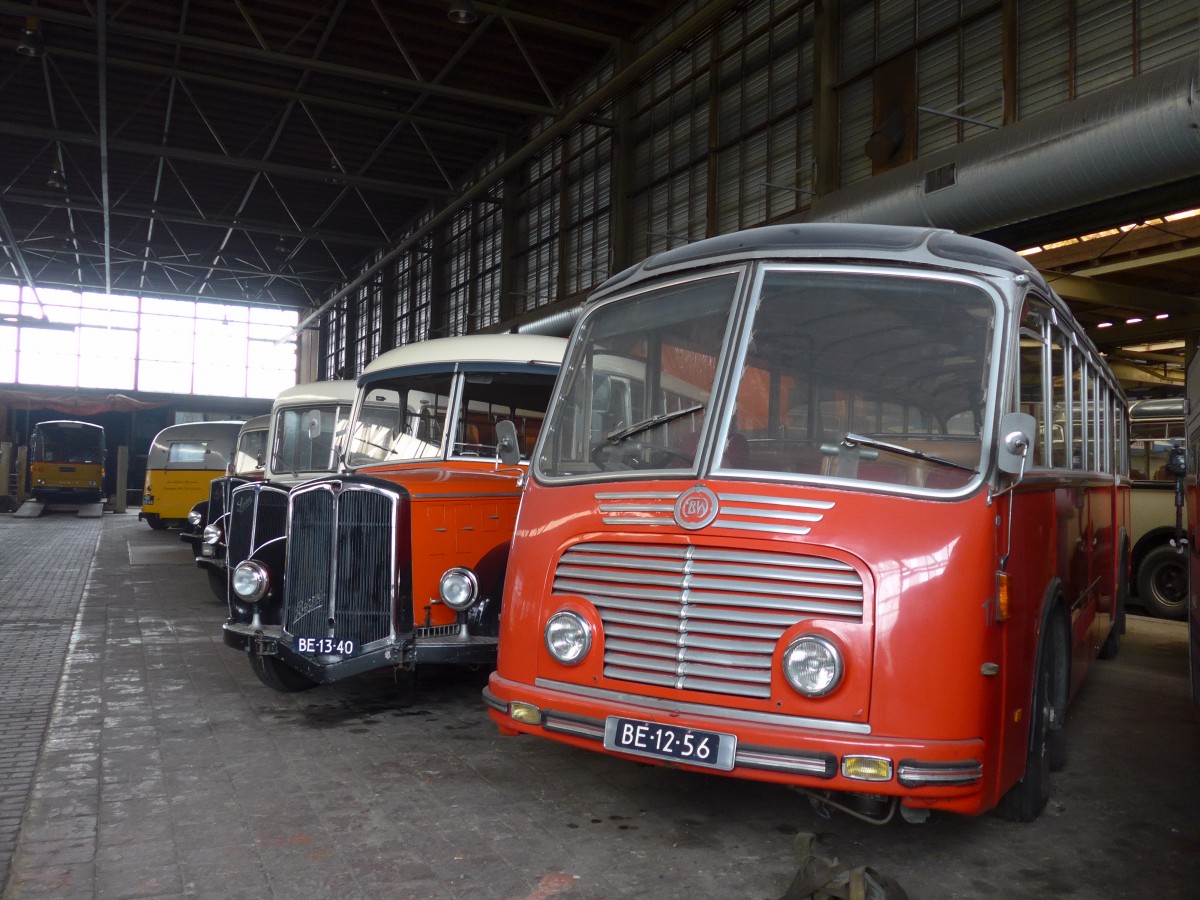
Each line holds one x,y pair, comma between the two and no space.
1160,575
66,462
396,559
182,462
855,559
299,440
249,458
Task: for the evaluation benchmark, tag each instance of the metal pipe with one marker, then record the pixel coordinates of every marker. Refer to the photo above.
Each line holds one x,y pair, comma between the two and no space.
1141,133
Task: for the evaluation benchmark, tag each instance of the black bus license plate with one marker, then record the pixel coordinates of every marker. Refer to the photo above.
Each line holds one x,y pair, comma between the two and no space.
712,749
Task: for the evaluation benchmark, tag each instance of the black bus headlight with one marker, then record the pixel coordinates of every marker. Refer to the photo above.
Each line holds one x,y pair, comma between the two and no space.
250,581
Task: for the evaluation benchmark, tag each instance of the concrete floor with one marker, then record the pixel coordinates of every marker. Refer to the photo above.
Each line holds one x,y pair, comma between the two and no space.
166,770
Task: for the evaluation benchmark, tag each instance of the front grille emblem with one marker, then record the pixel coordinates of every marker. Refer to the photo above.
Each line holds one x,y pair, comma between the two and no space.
696,508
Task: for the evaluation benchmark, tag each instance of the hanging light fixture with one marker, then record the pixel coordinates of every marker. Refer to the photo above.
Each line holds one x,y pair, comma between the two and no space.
462,12
30,41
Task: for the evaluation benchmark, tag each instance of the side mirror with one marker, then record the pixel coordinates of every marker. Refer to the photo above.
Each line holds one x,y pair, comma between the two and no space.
507,447
313,424
1177,462
1017,434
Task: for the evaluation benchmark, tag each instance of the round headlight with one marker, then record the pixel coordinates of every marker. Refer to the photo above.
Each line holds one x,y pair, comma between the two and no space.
195,518
568,637
459,588
212,534
812,665
250,581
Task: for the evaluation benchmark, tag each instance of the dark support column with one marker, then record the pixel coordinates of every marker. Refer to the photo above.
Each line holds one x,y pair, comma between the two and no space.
825,97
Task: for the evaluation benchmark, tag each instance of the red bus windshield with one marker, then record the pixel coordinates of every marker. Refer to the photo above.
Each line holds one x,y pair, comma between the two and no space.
879,377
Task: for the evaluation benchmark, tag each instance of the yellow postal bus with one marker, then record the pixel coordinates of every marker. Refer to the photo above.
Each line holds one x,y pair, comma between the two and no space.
183,461
66,461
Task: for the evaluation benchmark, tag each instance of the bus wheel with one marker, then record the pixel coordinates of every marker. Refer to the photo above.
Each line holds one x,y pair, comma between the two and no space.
1027,798
1162,583
279,677
156,523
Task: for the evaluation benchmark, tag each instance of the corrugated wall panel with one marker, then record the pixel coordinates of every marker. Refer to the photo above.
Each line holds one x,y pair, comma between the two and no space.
897,27
937,89
1167,31
1104,44
1044,76
854,115
857,36
934,15
983,87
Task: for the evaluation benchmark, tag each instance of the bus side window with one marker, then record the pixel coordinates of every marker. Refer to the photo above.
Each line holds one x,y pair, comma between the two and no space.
1031,378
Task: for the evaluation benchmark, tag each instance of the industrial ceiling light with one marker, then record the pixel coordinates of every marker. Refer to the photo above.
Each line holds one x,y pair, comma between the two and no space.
30,42
462,12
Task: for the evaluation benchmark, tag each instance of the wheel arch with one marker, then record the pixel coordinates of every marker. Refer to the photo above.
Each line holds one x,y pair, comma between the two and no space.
1153,538
1054,605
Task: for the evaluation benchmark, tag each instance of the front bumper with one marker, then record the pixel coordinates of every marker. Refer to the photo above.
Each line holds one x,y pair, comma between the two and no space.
406,651
934,774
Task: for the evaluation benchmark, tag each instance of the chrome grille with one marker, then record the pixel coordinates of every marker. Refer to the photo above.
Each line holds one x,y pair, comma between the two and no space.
340,563
220,495
258,514
702,618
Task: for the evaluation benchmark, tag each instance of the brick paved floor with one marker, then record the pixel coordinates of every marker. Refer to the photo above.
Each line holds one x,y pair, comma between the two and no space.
168,770
43,569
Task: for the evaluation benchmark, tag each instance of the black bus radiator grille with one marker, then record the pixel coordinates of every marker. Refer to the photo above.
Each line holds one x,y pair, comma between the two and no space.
339,564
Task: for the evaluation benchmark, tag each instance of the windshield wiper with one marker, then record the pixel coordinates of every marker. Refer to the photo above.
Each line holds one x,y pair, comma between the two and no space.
615,437
851,439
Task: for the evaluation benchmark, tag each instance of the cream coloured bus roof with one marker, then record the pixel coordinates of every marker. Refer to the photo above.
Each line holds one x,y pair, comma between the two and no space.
483,348
221,437
316,393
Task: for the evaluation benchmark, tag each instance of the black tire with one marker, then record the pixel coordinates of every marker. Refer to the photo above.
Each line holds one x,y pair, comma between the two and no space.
216,581
1163,583
279,677
156,523
1026,799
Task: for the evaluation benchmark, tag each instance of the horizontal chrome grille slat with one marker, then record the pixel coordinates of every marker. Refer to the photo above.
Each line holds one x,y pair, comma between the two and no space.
657,509
690,613
695,627
702,618
688,654
672,638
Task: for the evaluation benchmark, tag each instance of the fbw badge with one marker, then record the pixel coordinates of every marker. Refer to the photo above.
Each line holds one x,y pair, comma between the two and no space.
695,508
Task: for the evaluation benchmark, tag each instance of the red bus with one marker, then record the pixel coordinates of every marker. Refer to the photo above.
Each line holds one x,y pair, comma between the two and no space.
1192,489
842,507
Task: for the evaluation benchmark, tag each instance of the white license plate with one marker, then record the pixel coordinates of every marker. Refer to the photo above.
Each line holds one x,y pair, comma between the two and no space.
309,646
712,749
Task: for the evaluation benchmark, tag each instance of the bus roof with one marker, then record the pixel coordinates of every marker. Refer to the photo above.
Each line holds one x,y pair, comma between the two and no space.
223,434
73,423
258,423
315,393
474,348
1158,408
830,241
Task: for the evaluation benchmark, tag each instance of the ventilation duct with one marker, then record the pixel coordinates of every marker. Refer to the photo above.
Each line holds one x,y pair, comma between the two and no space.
1138,134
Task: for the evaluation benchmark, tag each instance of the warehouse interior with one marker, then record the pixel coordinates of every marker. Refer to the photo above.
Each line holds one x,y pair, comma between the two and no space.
377,174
